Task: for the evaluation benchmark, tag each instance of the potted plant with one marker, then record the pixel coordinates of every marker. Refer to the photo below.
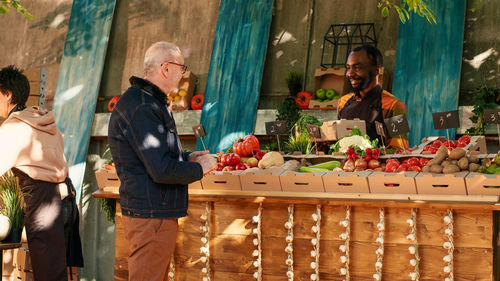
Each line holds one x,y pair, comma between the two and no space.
12,197
293,80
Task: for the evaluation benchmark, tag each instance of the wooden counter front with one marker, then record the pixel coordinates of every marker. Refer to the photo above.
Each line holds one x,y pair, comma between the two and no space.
231,236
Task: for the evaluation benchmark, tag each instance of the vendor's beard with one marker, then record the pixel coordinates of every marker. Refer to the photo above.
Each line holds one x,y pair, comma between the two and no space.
364,84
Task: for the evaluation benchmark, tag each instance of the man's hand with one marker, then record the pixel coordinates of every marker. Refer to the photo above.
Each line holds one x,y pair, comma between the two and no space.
207,163
193,155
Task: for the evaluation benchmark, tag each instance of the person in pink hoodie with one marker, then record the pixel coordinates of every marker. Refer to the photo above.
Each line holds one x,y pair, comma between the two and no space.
32,146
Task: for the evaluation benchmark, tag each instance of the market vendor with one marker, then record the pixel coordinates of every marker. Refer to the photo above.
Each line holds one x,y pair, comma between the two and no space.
367,100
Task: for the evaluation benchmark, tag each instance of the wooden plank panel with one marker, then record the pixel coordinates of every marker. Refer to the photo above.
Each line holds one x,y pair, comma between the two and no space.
235,74
427,69
79,79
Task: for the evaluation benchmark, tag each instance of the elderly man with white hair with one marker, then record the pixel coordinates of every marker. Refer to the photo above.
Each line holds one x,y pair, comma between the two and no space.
153,170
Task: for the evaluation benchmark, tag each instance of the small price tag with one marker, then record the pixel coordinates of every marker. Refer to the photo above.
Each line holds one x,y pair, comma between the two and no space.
380,129
276,128
446,120
397,125
199,131
492,116
314,131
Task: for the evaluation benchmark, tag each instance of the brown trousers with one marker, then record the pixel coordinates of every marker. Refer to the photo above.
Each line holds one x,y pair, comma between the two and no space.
152,243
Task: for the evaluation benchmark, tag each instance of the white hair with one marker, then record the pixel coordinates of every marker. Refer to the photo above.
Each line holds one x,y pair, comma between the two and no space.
159,53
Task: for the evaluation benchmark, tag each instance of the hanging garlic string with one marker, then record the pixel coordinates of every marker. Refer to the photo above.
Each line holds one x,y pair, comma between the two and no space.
346,236
412,223
171,269
315,243
380,251
448,245
289,241
205,239
258,242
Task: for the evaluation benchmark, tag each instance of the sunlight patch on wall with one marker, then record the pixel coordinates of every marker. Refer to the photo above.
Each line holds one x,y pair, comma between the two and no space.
478,60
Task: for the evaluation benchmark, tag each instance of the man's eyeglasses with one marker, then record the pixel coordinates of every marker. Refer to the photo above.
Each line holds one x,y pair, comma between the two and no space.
183,66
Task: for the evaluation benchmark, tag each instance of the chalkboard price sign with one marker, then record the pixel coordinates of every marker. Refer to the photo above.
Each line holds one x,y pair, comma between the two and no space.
492,116
446,120
314,131
199,131
380,129
397,125
276,128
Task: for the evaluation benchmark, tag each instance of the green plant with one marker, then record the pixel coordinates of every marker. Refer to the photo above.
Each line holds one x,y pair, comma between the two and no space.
404,9
304,120
108,205
293,80
300,143
288,111
484,98
12,197
6,5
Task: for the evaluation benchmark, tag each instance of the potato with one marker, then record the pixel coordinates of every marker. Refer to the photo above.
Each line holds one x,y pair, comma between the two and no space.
450,169
426,169
433,162
445,163
463,163
441,154
437,169
473,159
473,167
457,153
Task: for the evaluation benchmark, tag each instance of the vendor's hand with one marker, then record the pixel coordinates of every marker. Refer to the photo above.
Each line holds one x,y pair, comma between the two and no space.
193,155
207,163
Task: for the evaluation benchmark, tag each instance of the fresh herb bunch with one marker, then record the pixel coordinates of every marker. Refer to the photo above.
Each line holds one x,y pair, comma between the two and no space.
485,98
304,120
301,143
288,111
108,205
12,197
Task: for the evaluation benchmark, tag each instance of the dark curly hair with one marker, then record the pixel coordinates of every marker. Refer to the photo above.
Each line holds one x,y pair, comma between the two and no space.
12,80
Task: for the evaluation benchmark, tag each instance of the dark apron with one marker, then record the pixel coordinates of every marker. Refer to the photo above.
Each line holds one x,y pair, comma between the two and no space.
368,109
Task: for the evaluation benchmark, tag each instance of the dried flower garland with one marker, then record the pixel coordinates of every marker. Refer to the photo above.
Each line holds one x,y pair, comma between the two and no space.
448,245
257,253
205,239
380,251
289,241
412,223
315,243
346,236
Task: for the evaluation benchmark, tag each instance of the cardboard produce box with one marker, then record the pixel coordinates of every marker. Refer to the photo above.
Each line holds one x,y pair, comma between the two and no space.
400,183
477,145
261,179
452,184
195,185
329,78
187,84
333,130
302,182
218,180
344,182
482,184
107,180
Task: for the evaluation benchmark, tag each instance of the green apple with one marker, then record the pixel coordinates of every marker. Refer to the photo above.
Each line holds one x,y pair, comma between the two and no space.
331,93
320,94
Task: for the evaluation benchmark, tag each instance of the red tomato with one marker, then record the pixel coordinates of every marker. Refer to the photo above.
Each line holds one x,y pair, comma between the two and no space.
415,169
231,159
413,162
433,150
464,139
402,168
392,161
450,143
220,166
254,141
461,144
427,148
303,99
243,148
241,167
391,167
423,161
436,144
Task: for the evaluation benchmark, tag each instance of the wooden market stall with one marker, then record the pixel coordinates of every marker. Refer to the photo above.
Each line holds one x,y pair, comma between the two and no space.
232,216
